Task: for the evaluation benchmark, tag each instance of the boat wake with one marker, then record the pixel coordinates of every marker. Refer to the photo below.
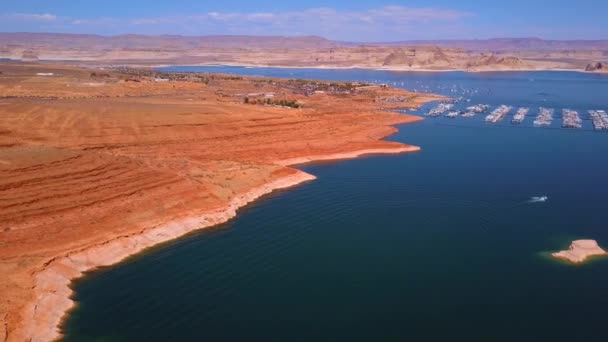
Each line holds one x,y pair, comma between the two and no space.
538,199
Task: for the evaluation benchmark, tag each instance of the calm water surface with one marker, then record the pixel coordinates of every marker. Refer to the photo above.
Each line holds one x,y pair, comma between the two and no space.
432,246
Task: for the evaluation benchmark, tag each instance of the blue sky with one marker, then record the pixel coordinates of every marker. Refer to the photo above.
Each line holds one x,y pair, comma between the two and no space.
355,20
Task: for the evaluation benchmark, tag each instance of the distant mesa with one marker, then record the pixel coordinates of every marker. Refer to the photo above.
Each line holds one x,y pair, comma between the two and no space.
418,56
29,55
493,61
580,250
399,58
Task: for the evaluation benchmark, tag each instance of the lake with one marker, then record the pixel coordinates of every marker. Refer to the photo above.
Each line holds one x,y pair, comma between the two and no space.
437,245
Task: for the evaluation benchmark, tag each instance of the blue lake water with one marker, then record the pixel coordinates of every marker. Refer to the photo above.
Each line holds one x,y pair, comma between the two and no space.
431,246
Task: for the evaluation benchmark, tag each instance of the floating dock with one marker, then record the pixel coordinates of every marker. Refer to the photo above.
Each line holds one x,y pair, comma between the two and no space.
571,119
498,114
474,110
440,109
520,115
599,119
545,117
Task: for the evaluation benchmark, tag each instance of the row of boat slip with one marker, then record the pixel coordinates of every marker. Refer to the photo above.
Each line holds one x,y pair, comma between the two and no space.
474,110
498,114
571,119
440,109
520,115
599,119
545,117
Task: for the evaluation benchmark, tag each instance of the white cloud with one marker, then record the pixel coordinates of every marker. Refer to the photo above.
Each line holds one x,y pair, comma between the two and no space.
97,22
365,24
45,17
313,15
382,23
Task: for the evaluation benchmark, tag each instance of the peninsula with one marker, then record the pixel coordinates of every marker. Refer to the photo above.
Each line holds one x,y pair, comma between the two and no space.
99,164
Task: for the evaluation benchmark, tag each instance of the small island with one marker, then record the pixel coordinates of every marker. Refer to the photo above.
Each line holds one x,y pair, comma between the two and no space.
580,250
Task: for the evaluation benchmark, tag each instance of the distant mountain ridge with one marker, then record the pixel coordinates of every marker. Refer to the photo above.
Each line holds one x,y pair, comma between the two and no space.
132,41
136,41
507,44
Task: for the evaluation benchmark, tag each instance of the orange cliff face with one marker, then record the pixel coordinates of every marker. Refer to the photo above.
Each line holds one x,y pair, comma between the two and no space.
94,168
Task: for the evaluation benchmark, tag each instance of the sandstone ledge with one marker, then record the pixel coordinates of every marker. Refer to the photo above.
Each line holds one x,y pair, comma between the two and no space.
52,284
52,290
347,155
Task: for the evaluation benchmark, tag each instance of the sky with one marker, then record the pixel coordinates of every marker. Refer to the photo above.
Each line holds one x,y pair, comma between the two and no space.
354,20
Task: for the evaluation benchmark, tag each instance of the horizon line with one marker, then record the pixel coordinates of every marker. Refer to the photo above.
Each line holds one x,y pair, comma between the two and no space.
301,36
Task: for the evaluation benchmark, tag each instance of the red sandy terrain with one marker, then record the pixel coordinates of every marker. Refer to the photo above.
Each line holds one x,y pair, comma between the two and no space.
95,167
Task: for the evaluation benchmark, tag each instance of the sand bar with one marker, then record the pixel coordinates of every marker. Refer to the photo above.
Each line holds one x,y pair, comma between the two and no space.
580,250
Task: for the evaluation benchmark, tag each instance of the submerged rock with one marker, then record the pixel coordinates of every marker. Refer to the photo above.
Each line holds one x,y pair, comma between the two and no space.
580,250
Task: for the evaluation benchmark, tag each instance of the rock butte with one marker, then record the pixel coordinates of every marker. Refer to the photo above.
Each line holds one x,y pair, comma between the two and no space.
580,250
92,174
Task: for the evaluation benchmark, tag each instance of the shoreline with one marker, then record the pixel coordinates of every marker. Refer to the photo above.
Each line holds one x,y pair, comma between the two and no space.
362,67
52,292
142,64
347,155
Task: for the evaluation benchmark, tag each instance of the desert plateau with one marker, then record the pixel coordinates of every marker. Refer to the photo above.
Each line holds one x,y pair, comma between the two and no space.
100,164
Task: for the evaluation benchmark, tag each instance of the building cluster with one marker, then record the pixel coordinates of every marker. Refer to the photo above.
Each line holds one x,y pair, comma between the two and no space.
308,88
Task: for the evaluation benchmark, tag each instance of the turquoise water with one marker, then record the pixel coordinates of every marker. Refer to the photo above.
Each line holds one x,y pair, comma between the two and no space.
431,246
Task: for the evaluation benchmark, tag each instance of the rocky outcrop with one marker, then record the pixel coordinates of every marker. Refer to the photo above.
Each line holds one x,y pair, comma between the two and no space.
399,58
595,66
492,61
417,57
580,250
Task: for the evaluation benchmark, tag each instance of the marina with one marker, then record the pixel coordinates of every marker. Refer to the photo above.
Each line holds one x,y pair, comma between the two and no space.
520,116
571,119
498,114
545,117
